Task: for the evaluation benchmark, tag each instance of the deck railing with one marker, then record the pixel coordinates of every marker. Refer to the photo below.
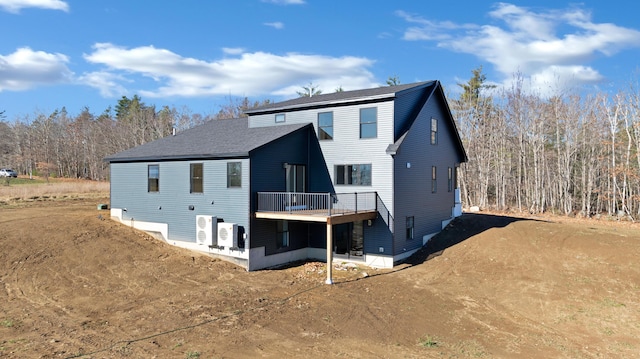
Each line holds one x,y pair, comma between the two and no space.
329,203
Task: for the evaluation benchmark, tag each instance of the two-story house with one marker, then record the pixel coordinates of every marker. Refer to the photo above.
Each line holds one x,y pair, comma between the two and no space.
365,176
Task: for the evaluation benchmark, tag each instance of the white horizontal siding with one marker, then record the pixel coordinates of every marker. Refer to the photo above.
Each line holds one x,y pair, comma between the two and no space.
347,147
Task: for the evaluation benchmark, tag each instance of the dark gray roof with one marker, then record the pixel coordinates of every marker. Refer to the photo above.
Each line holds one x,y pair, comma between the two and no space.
337,97
213,139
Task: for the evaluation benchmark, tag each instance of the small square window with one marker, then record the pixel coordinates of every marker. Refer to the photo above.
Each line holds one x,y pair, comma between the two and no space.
280,117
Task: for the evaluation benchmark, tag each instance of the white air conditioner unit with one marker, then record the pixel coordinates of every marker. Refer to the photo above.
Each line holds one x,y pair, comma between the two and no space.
227,235
206,230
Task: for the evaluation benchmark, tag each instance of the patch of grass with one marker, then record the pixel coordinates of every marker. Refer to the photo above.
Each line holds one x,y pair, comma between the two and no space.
608,302
608,331
192,355
7,323
30,190
428,342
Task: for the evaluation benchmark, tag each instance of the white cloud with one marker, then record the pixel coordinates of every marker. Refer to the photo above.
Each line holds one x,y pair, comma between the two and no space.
530,43
285,2
25,69
232,50
14,6
276,25
106,82
247,74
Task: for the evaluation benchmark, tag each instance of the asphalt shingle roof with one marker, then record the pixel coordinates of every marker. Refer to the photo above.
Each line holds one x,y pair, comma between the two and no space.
354,95
213,139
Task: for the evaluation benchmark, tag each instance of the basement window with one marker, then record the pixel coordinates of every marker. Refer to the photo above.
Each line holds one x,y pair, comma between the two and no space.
410,226
282,234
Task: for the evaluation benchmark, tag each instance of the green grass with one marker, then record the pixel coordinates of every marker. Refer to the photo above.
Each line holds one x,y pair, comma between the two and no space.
428,342
21,181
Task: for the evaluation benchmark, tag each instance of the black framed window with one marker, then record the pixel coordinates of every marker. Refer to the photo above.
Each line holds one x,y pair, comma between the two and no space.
325,126
410,227
357,175
434,182
369,122
282,234
234,174
450,179
153,178
196,178
434,131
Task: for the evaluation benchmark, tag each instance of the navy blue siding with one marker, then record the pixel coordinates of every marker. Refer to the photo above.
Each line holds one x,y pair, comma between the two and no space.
413,195
268,175
406,108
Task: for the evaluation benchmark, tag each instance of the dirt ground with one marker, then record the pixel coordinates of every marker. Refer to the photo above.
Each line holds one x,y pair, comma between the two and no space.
75,284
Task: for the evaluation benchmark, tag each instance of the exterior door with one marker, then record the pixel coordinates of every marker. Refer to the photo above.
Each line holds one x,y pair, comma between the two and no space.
348,240
296,178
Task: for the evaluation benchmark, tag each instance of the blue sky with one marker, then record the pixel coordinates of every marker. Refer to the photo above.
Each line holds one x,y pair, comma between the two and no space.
198,54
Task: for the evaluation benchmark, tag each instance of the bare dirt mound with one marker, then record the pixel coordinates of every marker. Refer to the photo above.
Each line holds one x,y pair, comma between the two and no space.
75,284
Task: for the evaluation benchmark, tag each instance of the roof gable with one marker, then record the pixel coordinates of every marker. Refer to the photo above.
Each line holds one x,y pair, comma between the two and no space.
336,98
213,139
435,94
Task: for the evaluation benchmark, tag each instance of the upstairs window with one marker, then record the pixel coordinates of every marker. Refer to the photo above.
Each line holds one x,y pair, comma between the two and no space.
153,178
280,118
234,174
196,178
368,122
434,131
357,175
325,126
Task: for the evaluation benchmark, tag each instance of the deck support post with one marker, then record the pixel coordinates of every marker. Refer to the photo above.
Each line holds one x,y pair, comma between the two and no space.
329,253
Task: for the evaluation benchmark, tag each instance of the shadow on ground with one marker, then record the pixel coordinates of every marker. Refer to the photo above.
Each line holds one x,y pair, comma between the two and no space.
459,230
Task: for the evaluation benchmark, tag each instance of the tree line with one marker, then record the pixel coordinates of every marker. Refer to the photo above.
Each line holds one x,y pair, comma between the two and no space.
62,145
570,153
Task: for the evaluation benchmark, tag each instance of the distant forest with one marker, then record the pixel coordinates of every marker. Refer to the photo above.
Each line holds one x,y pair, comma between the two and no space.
570,153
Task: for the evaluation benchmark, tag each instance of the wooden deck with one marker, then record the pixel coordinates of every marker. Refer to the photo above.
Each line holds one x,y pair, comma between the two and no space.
320,215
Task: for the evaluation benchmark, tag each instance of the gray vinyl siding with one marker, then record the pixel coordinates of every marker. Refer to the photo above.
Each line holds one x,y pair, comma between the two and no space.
171,203
413,185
